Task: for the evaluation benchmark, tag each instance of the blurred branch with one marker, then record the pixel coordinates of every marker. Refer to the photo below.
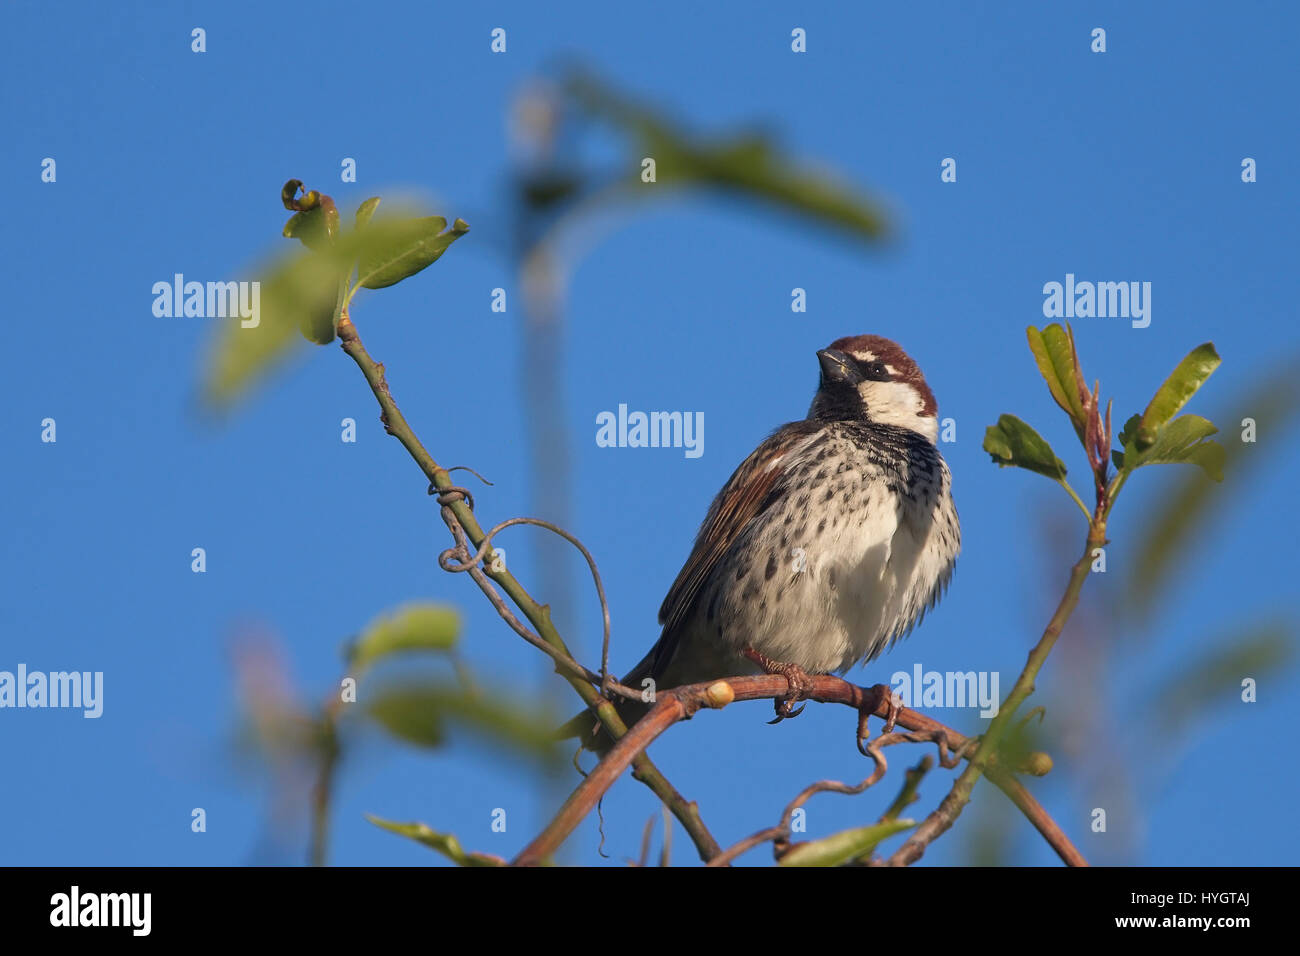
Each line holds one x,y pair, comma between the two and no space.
1273,405
323,787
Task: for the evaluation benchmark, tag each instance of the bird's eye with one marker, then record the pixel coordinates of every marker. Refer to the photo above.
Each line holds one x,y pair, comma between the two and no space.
875,371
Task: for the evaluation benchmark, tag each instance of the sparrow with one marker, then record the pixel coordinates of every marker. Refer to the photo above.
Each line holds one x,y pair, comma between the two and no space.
828,543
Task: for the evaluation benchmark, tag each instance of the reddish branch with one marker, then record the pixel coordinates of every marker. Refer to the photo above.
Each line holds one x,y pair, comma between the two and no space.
682,702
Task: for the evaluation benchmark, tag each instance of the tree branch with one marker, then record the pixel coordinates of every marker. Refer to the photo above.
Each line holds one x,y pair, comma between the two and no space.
538,615
943,817
680,703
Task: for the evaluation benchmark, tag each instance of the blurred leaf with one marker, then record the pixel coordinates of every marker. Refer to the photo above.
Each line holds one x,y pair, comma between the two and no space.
420,712
1177,389
412,627
307,227
844,846
753,167
311,228
528,728
413,714
400,248
991,832
274,723
1184,440
1187,507
1204,684
1012,442
444,843
748,164
297,294
1024,746
1054,356
366,210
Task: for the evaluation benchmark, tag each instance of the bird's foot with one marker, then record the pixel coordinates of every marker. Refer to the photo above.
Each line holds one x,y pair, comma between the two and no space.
877,695
800,684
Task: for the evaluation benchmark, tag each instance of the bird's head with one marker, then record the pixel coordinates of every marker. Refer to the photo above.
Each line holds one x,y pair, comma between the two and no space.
869,378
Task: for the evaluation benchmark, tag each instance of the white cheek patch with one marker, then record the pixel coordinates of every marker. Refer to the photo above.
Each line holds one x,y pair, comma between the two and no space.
895,403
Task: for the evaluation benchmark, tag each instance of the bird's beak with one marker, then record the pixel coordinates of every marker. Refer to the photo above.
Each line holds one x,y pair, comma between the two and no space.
838,367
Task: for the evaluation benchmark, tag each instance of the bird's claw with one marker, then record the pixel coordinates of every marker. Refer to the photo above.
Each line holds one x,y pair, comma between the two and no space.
801,685
893,707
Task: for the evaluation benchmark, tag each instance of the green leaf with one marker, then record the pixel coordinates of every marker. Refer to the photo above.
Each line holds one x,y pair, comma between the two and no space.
1054,356
308,228
410,713
1126,437
398,249
302,293
844,846
1129,431
444,843
420,712
1012,442
1185,439
315,228
297,294
412,627
1178,388
366,210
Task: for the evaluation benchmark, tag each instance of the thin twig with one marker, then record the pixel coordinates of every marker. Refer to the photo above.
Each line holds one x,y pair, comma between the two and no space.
538,615
907,795
444,562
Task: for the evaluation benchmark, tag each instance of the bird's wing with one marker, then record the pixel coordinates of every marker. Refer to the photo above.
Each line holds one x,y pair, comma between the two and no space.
748,493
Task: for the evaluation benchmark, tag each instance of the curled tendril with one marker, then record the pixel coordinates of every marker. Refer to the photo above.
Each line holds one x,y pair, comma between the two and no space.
458,559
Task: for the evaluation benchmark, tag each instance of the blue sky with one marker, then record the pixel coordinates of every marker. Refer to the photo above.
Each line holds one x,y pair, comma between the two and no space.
1123,165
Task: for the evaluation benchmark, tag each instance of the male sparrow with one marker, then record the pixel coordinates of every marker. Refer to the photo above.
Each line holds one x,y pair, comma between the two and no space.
827,545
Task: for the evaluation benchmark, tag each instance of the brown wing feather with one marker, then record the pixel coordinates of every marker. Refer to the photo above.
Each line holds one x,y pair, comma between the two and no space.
744,497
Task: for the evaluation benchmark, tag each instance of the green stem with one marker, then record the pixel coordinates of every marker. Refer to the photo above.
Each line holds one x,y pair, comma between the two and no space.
953,804
1077,500
538,614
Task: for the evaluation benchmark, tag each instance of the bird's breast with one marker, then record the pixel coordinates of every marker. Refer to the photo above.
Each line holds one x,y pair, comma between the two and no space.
844,563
